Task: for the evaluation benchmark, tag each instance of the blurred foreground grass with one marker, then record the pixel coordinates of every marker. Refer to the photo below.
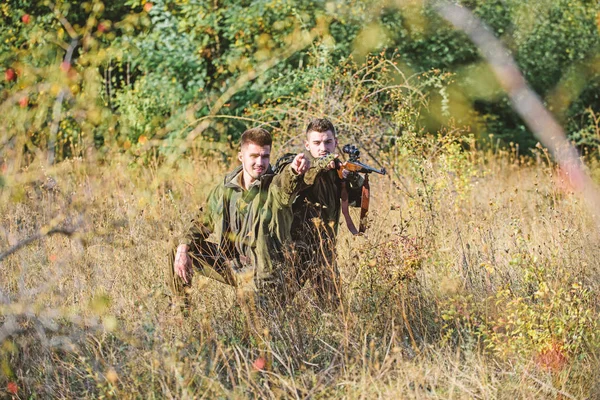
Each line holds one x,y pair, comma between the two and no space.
478,278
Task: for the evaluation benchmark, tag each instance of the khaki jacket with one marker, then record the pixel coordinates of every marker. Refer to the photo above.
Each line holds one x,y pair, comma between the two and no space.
232,214
312,214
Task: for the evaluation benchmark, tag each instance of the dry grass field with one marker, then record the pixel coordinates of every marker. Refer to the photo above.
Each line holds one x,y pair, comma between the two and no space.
478,278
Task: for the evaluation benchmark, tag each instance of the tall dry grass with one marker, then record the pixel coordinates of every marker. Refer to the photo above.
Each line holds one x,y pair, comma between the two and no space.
477,279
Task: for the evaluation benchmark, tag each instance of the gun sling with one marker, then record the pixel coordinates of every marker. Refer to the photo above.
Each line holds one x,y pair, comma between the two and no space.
364,208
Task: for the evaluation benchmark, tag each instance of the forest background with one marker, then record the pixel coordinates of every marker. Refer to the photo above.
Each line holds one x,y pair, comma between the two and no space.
478,277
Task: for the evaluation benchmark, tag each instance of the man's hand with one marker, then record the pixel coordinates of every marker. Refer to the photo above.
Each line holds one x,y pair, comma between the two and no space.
300,164
183,263
332,164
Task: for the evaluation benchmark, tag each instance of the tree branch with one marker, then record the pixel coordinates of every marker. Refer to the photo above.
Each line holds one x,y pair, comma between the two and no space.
524,100
64,231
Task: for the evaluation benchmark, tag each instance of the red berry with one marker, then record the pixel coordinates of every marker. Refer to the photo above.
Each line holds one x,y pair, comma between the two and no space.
26,18
148,7
10,75
259,364
23,101
12,387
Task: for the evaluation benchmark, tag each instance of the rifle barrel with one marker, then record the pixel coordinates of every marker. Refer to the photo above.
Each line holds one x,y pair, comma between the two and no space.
365,168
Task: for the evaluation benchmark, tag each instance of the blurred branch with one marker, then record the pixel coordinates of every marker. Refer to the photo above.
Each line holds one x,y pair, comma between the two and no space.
524,100
65,66
11,100
68,27
56,111
158,142
64,231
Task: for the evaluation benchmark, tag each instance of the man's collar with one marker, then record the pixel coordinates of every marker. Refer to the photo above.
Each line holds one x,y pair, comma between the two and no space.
234,179
236,182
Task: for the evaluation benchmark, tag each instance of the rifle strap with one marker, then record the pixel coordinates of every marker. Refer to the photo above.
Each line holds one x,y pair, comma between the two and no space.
364,205
346,212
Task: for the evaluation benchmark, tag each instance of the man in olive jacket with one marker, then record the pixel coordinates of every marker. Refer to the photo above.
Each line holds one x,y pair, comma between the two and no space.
302,238
221,242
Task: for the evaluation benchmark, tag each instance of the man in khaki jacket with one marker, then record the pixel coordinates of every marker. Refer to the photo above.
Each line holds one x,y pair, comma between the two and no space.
301,239
223,243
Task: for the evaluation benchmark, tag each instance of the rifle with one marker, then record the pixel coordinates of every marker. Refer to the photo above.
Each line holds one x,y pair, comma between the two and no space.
353,164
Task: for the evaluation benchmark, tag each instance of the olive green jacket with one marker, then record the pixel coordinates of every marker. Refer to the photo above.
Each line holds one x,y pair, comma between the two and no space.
321,199
300,220
231,214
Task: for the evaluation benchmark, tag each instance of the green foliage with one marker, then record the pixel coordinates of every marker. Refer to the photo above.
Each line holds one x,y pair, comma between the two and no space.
561,34
582,118
52,94
142,113
157,69
559,320
548,39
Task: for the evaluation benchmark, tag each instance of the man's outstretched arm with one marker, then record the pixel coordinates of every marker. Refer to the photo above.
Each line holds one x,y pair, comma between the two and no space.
288,182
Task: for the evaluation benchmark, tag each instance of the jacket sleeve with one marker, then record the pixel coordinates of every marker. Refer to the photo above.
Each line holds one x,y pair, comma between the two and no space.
204,222
317,166
355,180
285,187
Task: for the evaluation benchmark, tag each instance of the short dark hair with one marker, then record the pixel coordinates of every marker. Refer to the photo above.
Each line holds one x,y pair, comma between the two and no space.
258,136
320,125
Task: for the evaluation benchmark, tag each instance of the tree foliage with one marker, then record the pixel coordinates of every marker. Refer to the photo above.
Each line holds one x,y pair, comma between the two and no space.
143,71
